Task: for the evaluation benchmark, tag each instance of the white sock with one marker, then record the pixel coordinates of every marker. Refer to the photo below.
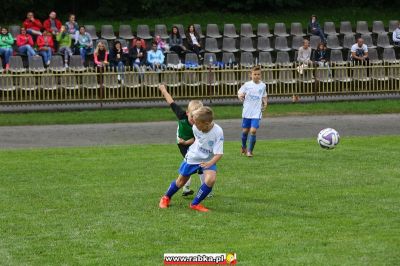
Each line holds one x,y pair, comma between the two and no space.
201,178
188,183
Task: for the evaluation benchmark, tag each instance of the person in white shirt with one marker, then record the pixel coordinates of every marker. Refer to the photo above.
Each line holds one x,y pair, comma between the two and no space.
254,96
396,35
304,54
359,52
203,154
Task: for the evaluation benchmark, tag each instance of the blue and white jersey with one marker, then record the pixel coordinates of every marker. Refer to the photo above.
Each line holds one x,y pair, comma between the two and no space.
253,99
206,145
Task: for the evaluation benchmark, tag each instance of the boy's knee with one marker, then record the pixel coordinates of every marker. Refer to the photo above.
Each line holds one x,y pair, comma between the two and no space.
181,181
253,131
246,130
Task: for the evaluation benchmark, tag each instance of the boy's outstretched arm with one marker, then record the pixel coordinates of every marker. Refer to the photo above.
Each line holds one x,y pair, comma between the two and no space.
165,93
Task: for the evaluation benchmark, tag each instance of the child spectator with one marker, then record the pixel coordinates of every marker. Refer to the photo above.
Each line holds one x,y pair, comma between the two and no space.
52,24
202,155
161,45
155,58
6,43
118,59
253,94
193,39
175,42
84,43
100,55
64,42
138,55
304,54
184,132
320,56
45,46
396,35
25,43
33,26
315,28
71,26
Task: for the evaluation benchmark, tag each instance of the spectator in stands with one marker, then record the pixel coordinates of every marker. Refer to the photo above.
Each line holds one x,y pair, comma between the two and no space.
100,55
138,55
193,39
25,43
64,42
304,54
320,55
161,45
71,26
52,24
359,52
315,28
175,42
118,59
84,43
33,26
6,43
45,46
396,35
142,42
155,58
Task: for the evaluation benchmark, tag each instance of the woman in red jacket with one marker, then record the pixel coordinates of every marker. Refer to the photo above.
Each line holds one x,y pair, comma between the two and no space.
46,46
32,25
25,43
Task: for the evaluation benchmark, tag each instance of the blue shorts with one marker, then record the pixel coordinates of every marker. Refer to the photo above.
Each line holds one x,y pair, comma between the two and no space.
251,122
189,169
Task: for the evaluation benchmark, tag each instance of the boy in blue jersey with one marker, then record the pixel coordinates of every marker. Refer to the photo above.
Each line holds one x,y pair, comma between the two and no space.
203,154
253,94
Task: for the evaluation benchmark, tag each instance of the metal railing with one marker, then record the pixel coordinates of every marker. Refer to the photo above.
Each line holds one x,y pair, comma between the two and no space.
201,82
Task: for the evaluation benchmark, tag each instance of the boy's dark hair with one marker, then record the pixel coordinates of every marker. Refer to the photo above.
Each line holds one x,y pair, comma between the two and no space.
256,68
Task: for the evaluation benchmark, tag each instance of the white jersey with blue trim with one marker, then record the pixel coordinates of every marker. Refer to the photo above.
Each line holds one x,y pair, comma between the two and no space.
253,94
206,145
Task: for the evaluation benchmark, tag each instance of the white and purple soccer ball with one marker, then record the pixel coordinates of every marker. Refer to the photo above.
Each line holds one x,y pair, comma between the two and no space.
328,138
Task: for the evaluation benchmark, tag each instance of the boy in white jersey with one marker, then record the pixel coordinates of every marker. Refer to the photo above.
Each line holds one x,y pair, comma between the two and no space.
203,154
253,94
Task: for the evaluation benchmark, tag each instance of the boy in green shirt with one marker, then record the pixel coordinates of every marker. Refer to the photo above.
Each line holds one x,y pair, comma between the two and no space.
184,133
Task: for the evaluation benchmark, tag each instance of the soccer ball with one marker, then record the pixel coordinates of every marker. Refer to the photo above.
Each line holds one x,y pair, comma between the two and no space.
328,138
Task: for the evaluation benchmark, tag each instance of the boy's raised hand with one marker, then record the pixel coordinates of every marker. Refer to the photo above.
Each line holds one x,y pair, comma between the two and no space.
162,87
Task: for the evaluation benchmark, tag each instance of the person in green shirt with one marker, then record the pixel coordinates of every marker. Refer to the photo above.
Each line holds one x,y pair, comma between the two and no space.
6,43
64,43
184,133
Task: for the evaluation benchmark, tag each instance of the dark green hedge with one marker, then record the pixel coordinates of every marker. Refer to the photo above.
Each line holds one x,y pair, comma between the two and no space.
15,10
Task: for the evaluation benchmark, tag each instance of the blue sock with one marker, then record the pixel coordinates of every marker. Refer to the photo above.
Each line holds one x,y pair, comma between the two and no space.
204,190
252,142
244,140
173,188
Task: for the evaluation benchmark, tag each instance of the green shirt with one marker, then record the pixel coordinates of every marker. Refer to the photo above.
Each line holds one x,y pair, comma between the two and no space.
184,130
63,39
6,40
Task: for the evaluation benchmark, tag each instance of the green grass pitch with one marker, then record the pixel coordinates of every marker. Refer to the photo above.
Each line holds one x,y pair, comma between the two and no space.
292,204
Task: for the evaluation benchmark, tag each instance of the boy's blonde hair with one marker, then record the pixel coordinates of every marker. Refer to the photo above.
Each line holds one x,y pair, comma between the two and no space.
256,68
194,105
204,114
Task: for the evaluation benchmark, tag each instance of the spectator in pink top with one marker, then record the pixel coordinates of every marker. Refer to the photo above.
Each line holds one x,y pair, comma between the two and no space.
25,43
100,55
